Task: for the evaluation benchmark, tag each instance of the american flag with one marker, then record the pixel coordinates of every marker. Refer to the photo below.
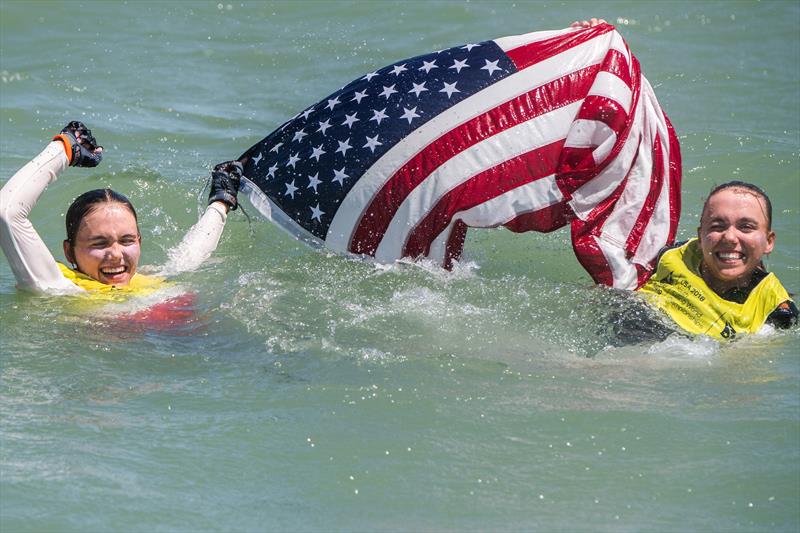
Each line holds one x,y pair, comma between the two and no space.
530,132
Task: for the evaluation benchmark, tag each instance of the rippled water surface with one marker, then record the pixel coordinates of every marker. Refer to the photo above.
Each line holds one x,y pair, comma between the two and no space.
313,392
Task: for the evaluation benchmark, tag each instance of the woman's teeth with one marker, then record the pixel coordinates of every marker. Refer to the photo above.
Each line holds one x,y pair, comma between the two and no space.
113,271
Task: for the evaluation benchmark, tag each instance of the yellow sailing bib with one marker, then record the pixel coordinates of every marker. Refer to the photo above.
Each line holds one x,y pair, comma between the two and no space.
140,285
678,289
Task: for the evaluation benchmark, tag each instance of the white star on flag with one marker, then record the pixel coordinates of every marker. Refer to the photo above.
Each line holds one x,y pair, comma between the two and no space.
323,126
313,181
449,88
344,146
271,170
388,91
316,152
491,66
350,119
397,69
298,135
290,189
428,65
359,96
333,103
372,143
292,160
418,88
410,114
369,76
458,65
339,175
469,47
276,148
257,159
307,112
316,213
379,115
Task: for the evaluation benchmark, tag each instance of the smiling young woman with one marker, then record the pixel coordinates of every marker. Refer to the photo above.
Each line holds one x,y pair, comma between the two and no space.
735,233
103,243
716,284
103,239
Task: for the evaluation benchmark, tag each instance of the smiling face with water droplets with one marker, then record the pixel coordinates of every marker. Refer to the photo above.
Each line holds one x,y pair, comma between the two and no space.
107,244
734,235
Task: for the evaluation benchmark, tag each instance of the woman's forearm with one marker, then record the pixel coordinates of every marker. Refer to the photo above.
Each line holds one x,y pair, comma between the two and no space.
199,242
33,265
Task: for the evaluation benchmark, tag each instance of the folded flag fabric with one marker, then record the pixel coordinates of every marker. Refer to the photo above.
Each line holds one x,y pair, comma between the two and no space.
530,132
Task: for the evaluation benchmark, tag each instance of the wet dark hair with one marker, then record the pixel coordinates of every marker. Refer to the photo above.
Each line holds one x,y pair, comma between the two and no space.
754,189
88,201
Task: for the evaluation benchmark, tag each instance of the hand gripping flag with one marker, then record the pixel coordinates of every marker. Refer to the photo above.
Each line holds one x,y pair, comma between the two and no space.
530,132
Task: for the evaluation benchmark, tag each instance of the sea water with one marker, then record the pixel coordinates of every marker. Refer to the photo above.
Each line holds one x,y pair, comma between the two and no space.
315,392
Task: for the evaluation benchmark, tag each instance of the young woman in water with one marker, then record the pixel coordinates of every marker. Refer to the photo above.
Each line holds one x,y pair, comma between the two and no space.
103,243
716,284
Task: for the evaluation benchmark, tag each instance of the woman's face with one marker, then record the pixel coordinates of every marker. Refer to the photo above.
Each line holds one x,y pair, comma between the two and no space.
107,244
734,235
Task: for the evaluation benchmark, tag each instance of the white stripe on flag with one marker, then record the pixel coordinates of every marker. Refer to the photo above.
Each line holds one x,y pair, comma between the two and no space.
622,271
515,41
508,144
588,134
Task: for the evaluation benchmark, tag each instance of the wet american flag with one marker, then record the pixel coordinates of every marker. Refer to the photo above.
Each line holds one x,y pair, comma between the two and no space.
530,132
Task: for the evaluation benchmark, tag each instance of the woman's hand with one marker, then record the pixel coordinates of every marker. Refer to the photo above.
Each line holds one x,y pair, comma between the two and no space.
225,179
80,145
587,23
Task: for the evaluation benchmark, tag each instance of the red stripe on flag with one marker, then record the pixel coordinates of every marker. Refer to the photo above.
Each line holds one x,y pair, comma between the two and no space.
577,159
544,220
605,110
529,54
674,180
643,273
541,100
481,188
617,64
591,258
455,243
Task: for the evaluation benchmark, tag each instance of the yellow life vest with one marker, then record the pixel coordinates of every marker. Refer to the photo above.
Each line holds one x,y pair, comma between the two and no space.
140,285
678,289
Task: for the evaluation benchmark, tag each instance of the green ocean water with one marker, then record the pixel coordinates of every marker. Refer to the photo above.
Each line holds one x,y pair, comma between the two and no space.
314,392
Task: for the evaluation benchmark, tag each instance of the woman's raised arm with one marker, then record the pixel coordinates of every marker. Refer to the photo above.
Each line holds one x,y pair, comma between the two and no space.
33,265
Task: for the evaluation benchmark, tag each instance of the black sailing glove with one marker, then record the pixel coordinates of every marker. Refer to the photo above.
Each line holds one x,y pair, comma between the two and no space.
80,145
225,179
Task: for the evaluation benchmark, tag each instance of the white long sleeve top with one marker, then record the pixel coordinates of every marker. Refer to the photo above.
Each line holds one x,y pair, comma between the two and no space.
34,266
